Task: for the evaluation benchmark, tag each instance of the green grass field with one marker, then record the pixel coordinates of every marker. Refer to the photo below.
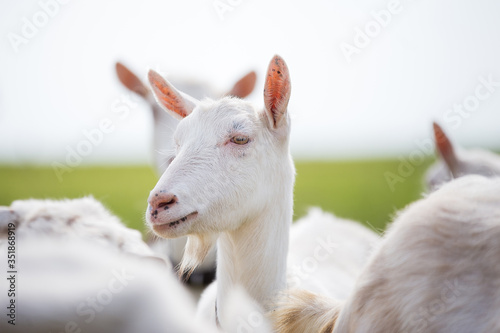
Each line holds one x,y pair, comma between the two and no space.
356,190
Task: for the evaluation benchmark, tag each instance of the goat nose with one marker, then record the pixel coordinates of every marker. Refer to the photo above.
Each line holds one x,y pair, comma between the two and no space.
161,201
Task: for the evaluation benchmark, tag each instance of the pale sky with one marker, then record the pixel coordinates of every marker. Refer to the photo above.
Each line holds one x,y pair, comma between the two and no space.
417,64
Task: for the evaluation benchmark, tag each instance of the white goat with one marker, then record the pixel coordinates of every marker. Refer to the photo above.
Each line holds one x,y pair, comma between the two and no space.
231,179
454,163
79,269
164,127
436,270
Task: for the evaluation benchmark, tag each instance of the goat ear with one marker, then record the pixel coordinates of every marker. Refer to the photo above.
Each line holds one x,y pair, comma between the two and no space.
277,91
176,103
445,149
130,80
244,86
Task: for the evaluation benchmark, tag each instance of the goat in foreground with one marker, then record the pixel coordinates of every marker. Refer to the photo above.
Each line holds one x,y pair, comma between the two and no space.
454,163
231,180
436,270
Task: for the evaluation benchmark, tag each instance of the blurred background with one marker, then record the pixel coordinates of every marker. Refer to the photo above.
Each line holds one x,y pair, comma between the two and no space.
368,79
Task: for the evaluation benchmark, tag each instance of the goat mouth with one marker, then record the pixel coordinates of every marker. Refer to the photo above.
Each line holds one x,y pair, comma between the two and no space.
173,224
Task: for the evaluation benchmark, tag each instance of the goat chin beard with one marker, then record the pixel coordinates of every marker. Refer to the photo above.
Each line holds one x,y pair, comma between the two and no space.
195,251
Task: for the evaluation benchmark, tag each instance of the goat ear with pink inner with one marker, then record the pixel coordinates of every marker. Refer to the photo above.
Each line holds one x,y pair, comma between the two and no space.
277,91
130,80
244,86
445,148
176,103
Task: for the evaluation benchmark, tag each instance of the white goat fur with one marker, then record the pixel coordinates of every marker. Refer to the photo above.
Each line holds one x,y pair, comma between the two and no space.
83,218
436,270
164,125
163,128
241,195
68,251
459,162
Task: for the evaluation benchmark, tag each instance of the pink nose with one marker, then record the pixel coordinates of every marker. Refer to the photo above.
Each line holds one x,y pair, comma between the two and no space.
158,201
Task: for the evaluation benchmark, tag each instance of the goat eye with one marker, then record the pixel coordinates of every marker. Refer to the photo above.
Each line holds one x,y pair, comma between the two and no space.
240,140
